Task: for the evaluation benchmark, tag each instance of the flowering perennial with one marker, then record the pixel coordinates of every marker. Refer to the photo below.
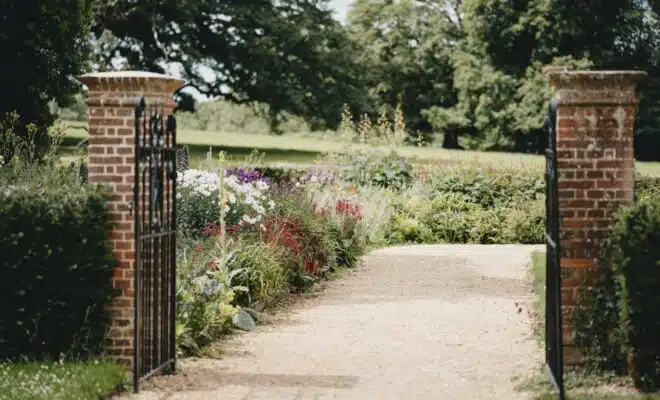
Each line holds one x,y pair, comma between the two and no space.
247,195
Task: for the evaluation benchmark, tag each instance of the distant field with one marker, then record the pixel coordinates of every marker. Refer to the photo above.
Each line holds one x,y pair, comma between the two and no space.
304,149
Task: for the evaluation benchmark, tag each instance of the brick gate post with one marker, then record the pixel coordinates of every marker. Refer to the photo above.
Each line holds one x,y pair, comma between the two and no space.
111,104
595,169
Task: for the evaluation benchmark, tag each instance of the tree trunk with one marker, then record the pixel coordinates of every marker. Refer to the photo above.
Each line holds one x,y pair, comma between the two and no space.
450,140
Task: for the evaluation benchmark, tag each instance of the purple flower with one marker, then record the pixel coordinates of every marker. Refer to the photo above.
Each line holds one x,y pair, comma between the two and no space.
247,175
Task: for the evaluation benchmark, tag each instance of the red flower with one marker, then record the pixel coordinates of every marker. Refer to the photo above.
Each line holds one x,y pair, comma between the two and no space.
213,265
198,248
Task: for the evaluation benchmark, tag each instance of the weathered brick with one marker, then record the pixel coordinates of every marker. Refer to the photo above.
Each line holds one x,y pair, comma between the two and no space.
595,123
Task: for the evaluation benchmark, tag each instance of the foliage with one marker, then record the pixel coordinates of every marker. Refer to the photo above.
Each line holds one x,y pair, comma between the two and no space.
205,292
635,256
468,206
291,55
379,165
57,265
618,316
298,236
490,188
44,45
199,194
647,187
62,380
407,57
378,168
224,116
281,175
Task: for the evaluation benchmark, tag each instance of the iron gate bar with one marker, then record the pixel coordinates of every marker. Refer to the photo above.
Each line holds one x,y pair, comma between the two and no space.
554,357
155,243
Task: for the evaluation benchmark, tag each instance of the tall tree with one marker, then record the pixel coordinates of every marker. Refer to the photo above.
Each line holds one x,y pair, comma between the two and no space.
290,54
497,72
44,45
407,48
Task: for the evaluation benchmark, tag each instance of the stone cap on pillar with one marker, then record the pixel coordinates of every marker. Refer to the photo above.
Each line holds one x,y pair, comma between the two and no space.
594,87
120,88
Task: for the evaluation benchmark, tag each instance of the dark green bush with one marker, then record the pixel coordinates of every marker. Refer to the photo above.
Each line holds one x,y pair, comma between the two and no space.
635,259
491,188
56,267
375,168
618,318
279,175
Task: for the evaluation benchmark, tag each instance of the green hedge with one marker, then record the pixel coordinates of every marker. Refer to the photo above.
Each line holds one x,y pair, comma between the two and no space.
56,269
472,206
618,318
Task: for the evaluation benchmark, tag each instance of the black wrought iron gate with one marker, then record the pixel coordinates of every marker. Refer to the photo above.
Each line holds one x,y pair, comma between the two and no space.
553,314
155,242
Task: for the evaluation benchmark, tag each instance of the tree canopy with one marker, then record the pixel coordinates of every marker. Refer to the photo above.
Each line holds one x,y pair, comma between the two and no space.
469,69
290,54
44,44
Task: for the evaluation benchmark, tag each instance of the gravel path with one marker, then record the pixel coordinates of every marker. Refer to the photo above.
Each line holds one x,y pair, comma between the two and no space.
418,322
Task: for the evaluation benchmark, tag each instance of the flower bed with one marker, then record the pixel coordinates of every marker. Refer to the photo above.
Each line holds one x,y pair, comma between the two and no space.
245,241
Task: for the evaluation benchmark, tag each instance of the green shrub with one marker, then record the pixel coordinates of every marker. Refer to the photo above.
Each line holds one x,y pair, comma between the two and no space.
491,188
56,266
618,318
635,256
449,218
260,267
647,187
194,210
377,168
452,217
525,224
595,323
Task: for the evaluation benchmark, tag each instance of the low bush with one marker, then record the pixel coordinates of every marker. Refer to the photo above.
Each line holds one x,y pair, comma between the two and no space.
647,187
618,321
490,188
56,264
470,207
377,168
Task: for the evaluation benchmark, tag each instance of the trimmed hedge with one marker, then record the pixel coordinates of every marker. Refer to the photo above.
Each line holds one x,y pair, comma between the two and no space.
56,270
618,318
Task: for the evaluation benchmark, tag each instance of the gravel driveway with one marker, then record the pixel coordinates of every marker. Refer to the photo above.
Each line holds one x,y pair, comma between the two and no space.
418,322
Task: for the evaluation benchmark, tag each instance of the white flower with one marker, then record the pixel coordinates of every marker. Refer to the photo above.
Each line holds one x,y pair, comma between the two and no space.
261,185
297,184
271,204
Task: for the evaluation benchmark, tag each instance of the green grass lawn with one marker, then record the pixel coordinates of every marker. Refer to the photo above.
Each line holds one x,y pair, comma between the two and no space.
579,385
305,148
55,381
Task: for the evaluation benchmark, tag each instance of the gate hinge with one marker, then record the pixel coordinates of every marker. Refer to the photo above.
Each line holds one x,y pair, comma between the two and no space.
131,206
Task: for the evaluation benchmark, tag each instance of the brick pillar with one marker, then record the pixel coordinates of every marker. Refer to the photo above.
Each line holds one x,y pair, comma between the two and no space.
595,166
111,147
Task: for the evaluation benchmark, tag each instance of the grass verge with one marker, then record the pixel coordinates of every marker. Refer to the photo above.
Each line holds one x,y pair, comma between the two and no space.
579,384
55,381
